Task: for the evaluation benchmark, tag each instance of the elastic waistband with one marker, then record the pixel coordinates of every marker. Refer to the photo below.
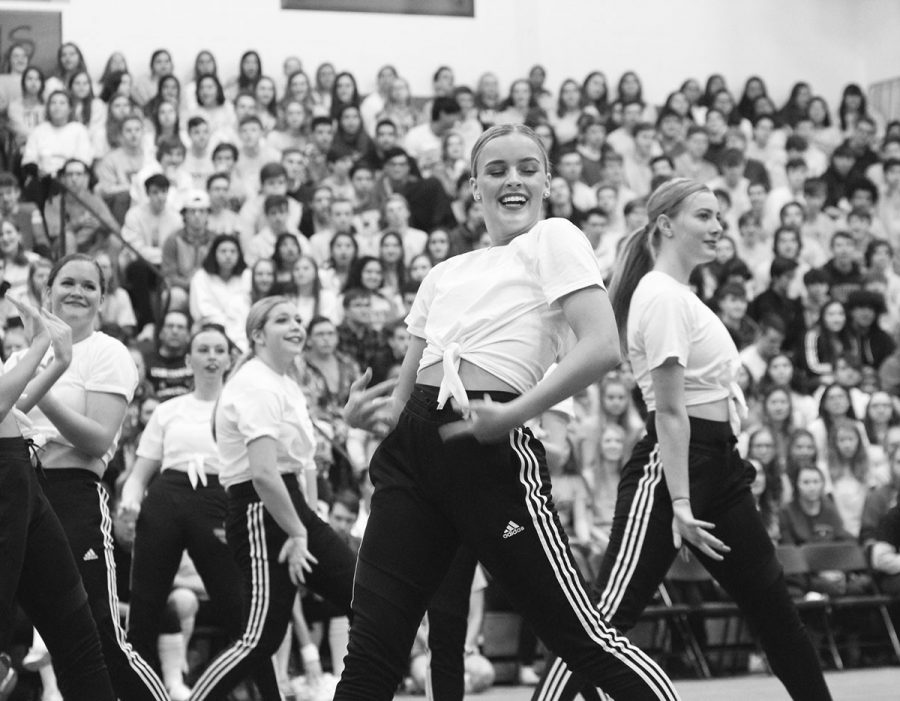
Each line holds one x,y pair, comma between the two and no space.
702,430
173,474
246,490
13,447
423,402
68,474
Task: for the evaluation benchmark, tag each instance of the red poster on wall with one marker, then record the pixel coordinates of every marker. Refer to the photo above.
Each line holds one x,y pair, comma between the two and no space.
457,8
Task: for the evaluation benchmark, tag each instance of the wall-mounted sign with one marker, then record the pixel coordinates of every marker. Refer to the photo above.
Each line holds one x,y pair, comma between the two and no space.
458,8
39,32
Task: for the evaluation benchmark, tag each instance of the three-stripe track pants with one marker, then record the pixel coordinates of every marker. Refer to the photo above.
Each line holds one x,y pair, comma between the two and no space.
256,540
430,497
641,551
81,503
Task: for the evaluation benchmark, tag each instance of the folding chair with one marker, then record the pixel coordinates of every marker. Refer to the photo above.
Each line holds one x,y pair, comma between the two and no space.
689,571
793,562
848,557
675,616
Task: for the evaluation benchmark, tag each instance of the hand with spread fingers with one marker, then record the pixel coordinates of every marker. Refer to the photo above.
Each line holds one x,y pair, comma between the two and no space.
365,406
295,553
487,422
695,532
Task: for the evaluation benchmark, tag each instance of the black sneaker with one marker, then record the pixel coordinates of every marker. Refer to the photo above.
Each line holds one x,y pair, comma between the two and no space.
8,677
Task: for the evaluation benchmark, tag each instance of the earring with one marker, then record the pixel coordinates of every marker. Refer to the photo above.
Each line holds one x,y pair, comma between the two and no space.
477,198
546,195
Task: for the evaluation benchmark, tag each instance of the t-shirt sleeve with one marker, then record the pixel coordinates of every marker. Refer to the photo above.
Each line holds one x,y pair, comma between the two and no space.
112,371
418,313
259,413
151,443
664,324
565,260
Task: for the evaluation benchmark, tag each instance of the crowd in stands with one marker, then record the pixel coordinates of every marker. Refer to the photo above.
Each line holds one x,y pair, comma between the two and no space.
200,192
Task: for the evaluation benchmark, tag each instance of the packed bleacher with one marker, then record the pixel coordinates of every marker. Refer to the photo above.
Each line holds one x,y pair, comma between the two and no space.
199,192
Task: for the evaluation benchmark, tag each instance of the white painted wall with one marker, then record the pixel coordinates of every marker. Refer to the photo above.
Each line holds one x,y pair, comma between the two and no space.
827,42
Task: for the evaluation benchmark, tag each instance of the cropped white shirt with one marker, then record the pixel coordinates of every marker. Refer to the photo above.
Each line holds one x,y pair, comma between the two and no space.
179,435
497,308
259,402
667,320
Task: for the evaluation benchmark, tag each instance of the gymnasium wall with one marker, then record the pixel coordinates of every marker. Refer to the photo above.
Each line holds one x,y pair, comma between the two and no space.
827,42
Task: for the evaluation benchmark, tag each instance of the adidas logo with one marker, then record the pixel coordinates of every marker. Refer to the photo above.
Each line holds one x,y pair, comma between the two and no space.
90,555
511,529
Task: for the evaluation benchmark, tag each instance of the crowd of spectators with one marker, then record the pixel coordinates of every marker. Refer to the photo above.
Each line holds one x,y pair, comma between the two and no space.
200,192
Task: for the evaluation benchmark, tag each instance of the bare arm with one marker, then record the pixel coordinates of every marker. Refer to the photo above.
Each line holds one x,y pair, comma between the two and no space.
275,498
673,429
92,432
136,484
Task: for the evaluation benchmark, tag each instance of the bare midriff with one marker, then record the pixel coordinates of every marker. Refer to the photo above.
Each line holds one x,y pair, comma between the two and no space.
472,376
711,411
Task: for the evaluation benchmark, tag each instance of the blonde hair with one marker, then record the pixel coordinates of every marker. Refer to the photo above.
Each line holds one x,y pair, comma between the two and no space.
499,130
639,251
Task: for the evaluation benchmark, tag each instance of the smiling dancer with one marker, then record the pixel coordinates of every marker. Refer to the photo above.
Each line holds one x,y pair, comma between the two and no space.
38,569
485,326
77,424
685,481
265,437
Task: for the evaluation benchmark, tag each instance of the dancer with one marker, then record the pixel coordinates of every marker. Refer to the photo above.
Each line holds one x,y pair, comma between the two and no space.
265,438
685,482
184,508
77,423
485,326
38,568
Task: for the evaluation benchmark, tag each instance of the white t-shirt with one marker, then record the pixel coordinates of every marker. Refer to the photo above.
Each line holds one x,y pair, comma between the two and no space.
259,402
100,363
179,435
667,320
499,303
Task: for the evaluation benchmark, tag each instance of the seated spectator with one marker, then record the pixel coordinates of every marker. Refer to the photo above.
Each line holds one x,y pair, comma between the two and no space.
118,168
879,261
167,370
387,362
262,245
777,301
253,154
16,260
220,291
273,181
24,215
212,106
848,470
569,168
367,273
225,157
338,179
88,221
397,219
198,157
560,202
692,163
308,295
222,218
768,343
837,177
732,309
116,316
810,517
183,252
262,280
317,148
835,405
26,112
424,142
844,272
340,220
87,109
873,345
343,250
169,162
796,173
55,141
886,552
356,337
780,372
429,206
292,133
317,216
592,146
390,252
